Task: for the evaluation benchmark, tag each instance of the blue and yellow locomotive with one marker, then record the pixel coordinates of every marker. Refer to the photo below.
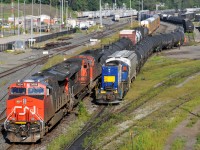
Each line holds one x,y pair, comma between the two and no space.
117,74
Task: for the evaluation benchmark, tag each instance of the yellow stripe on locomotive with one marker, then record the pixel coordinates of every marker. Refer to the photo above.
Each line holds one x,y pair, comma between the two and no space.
109,78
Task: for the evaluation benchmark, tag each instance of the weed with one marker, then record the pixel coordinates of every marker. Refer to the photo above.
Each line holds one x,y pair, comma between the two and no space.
192,121
4,82
197,144
82,111
72,131
178,144
53,61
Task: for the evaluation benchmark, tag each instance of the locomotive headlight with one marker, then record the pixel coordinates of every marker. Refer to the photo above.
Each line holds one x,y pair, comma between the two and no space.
32,119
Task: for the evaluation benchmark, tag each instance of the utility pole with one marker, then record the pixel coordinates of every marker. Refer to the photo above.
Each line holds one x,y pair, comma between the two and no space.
40,17
66,14
18,18
3,20
62,11
60,16
131,14
32,26
50,15
56,10
13,15
1,17
100,14
24,18
142,5
139,14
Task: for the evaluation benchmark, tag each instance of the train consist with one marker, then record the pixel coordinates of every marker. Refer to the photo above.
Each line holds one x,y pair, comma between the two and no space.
36,104
121,68
185,23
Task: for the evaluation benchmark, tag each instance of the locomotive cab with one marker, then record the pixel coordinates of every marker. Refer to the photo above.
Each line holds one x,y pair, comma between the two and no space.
25,113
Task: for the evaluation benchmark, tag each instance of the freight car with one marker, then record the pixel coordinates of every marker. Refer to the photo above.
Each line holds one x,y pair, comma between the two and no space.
197,17
188,15
116,18
134,35
121,68
185,23
151,23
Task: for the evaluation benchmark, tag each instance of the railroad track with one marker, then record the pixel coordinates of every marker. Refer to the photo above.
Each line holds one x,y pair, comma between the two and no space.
77,143
139,102
58,50
89,127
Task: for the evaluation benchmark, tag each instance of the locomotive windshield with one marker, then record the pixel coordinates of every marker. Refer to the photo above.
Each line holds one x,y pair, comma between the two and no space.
36,91
16,90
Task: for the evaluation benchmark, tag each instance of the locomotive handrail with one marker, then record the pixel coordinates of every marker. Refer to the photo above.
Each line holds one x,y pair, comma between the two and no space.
7,119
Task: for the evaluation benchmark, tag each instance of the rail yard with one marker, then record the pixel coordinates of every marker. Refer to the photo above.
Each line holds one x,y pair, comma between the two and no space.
135,92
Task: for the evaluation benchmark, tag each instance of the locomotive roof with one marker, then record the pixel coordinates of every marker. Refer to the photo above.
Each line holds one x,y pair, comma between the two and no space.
96,54
64,69
123,53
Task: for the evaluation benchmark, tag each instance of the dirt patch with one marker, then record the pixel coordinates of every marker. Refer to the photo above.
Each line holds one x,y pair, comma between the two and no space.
185,52
188,133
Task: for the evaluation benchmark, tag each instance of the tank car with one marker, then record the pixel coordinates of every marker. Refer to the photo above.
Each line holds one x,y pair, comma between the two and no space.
117,74
185,23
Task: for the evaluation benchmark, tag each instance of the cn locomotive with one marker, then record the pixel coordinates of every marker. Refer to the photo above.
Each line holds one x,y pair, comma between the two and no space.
121,68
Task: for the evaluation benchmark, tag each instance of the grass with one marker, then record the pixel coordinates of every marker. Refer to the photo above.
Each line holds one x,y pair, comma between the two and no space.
1,62
192,121
93,29
164,115
72,131
178,144
52,61
197,144
3,83
15,52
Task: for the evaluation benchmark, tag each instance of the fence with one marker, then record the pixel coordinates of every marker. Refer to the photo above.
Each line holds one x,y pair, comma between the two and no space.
7,46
